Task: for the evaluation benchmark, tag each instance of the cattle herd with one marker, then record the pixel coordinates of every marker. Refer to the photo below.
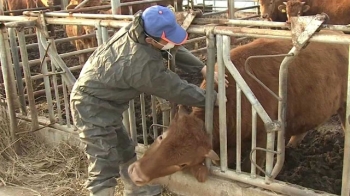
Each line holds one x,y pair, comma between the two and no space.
317,85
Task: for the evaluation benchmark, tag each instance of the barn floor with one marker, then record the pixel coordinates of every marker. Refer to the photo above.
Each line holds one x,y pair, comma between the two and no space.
316,163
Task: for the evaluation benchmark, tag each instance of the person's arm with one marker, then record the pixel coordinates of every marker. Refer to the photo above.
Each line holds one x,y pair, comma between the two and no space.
153,78
187,62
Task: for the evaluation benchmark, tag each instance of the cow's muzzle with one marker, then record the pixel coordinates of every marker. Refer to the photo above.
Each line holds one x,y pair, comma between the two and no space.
136,175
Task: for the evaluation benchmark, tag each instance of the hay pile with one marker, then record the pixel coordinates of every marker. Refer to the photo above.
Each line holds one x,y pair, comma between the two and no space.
43,169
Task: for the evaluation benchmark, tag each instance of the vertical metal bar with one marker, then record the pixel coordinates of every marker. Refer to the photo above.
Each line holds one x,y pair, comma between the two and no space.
143,118
222,104
231,9
46,78
105,36
115,6
254,123
98,34
172,67
154,116
15,59
282,108
64,4
166,118
209,101
55,86
238,128
28,79
66,103
345,189
5,49
133,131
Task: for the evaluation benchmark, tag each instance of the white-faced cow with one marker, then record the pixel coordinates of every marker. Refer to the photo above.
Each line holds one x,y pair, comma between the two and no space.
293,8
317,83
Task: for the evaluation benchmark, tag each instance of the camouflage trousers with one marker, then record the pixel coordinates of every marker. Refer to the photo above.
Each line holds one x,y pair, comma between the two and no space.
106,148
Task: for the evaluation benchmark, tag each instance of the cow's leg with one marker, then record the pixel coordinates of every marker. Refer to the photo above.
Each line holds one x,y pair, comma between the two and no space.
295,140
81,56
342,115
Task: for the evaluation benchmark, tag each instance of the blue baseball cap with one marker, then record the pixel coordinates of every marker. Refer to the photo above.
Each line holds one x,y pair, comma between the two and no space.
160,21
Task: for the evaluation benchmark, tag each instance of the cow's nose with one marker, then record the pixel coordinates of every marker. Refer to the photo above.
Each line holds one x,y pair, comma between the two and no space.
136,175
264,15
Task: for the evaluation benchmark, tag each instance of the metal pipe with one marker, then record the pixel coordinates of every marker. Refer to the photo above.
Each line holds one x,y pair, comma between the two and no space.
30,9
28,80
105,36
222,104
254,126
68,76
345,189
115,4
133,131
81,4
15,59
244,86
42,51
66,103
98,34
143,118
166,119
231,9
10,96
282,107
238,128
54,81
126,121
154,116
209,100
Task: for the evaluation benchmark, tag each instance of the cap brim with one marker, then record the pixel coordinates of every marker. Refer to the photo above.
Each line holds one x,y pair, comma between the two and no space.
177,36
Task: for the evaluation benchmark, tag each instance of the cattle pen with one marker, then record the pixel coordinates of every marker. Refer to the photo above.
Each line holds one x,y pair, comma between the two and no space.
39,70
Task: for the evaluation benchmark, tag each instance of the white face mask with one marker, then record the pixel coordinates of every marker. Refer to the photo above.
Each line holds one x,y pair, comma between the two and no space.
167,46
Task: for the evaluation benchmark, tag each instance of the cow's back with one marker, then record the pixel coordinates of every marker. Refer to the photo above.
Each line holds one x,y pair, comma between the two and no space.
338,11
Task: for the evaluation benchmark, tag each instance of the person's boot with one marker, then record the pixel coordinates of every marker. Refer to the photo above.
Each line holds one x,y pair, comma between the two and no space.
104,192
130,189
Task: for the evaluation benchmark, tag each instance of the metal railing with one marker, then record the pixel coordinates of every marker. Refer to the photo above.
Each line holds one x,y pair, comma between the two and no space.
58,69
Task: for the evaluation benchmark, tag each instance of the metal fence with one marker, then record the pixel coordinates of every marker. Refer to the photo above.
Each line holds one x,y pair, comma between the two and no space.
58,81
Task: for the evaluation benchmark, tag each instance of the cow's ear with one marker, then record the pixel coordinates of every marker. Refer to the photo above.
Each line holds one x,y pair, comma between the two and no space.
212,155
282,8
306,8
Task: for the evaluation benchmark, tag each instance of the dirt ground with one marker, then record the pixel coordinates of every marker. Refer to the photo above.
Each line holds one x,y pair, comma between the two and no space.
316,163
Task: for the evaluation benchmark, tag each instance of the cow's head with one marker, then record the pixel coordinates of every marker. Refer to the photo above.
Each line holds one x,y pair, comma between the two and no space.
268,9
185,144
293,8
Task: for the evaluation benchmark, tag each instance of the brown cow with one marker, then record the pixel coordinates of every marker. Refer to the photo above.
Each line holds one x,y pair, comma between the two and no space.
269,10
124,10
317,82
27,4
338,11
78,30
293,8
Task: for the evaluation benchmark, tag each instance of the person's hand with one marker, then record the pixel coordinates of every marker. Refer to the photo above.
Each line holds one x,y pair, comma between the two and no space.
217,99
216,76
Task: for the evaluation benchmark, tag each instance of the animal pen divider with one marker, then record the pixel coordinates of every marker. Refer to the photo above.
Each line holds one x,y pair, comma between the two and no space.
217,40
